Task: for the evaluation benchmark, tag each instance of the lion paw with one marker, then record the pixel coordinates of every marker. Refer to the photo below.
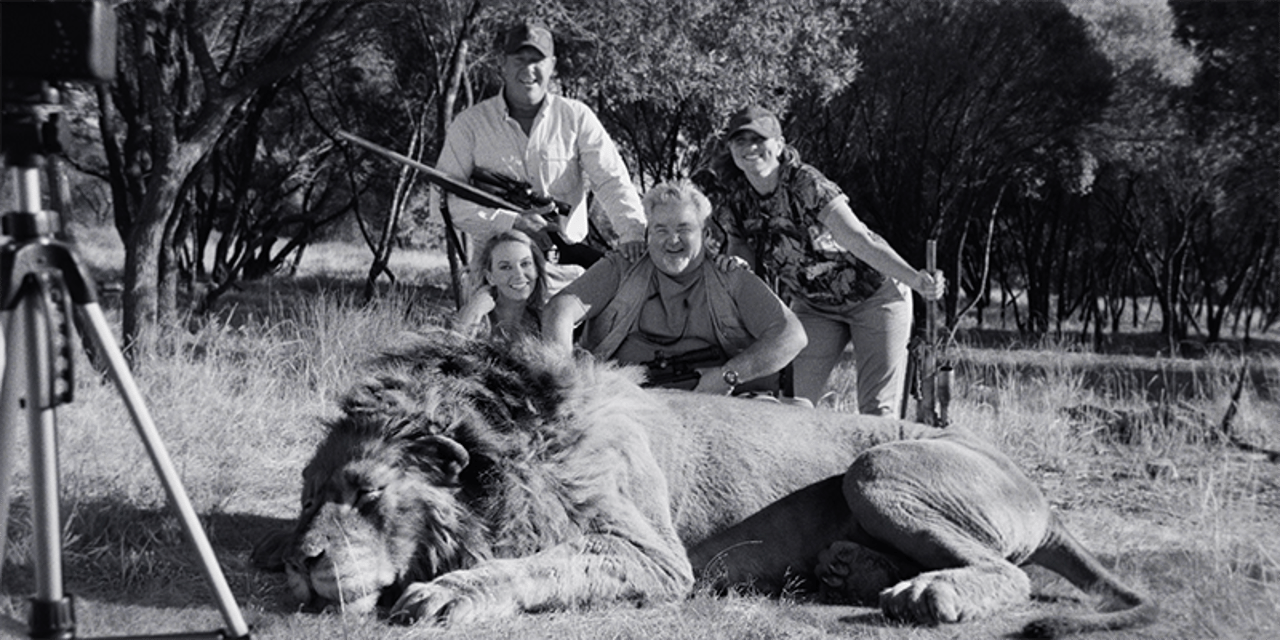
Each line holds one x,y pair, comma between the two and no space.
270,552
446,604
953,595
927,599
849,572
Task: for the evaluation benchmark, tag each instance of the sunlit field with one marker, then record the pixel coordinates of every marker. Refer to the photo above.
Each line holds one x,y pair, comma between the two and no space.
1128,448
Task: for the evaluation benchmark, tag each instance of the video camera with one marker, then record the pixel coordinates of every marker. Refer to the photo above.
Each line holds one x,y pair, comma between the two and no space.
45,42
62,40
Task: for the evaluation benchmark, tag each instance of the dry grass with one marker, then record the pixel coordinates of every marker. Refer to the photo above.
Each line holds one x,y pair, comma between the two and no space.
1174,510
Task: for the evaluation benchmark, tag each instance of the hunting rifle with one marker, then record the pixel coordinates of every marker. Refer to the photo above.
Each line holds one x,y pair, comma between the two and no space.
490,189
449,184
445,181
681,370
520,193
935,379
523,195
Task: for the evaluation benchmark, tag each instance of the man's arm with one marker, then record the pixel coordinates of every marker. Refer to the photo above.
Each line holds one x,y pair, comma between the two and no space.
563,312
778,332
457,158
609,179
575,304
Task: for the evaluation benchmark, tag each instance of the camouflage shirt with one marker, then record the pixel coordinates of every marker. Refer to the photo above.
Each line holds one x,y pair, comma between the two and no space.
792,249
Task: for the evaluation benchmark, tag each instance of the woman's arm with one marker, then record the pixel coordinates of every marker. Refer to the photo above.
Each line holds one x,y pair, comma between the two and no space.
468,319
853,235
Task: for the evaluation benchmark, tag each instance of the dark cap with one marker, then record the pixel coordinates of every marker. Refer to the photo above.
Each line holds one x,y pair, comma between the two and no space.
754,118
529,35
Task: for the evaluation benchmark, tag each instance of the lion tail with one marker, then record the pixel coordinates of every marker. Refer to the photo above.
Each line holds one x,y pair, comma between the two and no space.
1124,607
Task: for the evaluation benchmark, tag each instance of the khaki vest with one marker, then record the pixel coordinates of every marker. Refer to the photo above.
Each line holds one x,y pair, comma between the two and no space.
605,333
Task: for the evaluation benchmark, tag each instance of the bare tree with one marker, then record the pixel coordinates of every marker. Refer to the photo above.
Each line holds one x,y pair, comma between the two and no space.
186,68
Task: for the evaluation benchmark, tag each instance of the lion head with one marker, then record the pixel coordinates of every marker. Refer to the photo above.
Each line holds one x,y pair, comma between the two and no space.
421,473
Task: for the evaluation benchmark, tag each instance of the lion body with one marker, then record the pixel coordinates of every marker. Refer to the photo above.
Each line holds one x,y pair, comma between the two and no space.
466,481
724,458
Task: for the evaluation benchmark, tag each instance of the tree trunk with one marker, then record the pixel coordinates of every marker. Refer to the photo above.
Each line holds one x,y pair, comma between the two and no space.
171,123
141,264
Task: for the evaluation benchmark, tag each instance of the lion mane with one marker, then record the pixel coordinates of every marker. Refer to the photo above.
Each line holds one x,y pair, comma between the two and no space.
467,480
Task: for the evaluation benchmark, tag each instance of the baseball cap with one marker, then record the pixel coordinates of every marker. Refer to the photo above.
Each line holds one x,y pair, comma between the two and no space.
757,119
529,35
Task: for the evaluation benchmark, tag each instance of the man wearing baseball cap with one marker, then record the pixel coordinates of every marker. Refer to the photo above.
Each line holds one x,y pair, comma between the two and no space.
555,144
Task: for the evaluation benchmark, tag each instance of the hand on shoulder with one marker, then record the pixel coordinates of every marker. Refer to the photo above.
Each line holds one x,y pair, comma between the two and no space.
633,251
730,263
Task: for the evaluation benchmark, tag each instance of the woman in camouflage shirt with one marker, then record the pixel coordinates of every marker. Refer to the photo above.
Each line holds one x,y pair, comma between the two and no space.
845,283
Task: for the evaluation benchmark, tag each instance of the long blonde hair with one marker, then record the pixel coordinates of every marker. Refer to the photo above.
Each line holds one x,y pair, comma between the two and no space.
484,264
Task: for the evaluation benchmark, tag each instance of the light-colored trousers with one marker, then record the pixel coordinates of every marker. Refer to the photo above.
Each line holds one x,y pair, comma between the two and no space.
879,328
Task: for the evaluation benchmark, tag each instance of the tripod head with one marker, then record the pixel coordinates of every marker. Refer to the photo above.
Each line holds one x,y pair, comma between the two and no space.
29,134
43,43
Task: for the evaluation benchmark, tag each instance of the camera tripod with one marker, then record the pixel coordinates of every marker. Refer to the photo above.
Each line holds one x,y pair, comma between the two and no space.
41,284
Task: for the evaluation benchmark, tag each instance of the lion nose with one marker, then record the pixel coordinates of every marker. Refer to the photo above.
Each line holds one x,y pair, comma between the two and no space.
311,558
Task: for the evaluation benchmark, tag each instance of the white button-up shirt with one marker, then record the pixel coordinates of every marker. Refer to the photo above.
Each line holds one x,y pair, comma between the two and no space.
566,153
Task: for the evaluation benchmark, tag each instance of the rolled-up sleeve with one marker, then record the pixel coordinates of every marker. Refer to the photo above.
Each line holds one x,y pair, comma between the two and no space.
609,178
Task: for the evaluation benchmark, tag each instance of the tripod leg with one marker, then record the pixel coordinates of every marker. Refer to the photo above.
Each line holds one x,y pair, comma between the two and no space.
27,366
100,332
44,452
10,382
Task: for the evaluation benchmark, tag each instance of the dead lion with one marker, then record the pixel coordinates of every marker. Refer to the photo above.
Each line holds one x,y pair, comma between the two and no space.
465,481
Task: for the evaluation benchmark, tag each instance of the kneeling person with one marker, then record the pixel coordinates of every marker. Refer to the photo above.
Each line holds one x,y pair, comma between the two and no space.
676,301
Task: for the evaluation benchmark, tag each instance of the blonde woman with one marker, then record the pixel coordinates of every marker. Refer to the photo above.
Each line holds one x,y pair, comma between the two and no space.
508,299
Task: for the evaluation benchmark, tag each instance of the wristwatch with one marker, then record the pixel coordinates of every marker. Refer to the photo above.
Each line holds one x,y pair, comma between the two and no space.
731,378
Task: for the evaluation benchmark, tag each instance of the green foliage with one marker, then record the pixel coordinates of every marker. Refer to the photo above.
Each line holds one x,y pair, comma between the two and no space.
1135,33
961,107
957,100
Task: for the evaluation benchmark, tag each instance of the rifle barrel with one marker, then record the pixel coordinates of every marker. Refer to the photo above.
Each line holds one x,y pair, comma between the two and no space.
444,180
928,412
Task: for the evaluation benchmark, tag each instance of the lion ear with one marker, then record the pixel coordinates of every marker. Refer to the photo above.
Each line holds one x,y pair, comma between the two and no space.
445,455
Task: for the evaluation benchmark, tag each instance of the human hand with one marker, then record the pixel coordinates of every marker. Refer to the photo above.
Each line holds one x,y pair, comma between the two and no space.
633,251
930,286
729,263
532,223
711,380
485,298
481,302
